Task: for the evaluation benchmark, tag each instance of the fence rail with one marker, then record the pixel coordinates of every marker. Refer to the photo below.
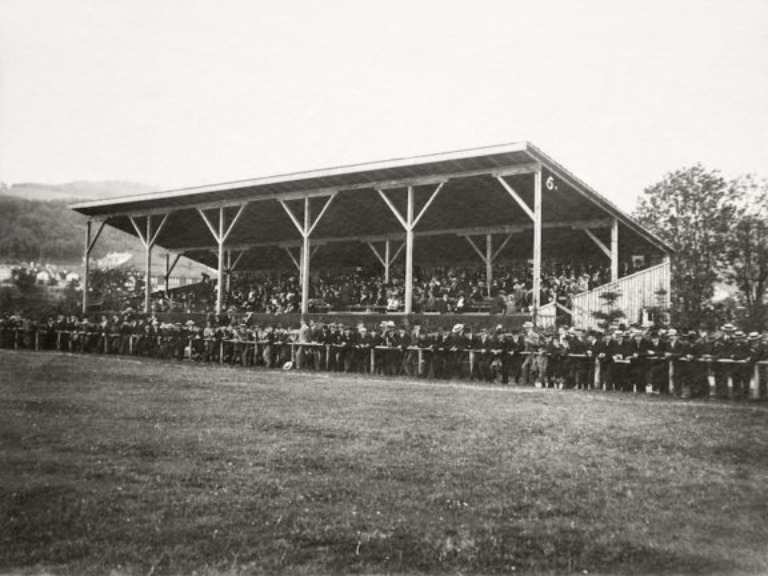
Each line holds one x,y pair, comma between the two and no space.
128,344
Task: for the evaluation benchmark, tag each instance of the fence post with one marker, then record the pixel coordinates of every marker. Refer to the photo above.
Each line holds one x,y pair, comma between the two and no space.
730,386
373,360
711,380
471,364
420,370
37,340
754,382
671,377
58,340
16,339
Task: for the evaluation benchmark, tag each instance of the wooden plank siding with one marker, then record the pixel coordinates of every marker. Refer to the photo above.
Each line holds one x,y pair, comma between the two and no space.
638,291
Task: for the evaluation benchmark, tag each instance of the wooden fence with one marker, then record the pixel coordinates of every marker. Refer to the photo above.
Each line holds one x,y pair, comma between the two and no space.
638,291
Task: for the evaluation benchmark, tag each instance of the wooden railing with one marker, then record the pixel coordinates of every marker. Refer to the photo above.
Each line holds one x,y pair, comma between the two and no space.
639,290
109,345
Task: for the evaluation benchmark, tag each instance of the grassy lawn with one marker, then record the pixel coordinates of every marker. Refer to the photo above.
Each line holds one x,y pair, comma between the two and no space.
111,464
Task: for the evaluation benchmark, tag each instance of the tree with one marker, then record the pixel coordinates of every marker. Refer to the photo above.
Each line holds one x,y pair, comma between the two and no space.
608,318
747,248
691,210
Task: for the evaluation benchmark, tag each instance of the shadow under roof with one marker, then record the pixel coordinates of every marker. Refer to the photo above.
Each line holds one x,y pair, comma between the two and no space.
472,200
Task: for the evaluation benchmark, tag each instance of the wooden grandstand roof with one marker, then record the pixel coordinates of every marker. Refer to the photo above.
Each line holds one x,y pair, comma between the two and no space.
471,201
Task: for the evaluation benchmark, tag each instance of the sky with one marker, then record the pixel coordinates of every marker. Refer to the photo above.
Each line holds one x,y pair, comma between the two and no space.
177,93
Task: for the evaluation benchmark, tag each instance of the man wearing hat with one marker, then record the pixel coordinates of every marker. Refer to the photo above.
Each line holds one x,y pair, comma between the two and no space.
456,344
437,354
618,368
532,342
724,348
482,349
742,372
699,349
675,352
578,363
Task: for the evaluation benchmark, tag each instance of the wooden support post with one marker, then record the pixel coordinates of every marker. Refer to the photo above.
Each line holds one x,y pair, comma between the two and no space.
220,282
537,245
305,258
387,260
711,380
409,253
409,222
489,262
615,250
86,265
148,275
169,266
229,272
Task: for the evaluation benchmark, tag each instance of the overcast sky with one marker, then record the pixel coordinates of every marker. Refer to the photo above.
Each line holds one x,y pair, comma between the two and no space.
187,92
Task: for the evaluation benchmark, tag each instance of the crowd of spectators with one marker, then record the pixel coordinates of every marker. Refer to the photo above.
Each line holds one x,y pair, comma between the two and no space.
624,359
439,289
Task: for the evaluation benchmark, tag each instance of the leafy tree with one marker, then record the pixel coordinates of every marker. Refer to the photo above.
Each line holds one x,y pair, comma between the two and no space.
747,248
611,316
691,210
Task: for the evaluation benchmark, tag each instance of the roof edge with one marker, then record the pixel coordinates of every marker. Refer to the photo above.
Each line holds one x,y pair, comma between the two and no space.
307,174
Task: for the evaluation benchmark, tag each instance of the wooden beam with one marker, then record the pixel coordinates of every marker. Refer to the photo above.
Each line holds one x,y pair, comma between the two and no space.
92,242
393,208
615,250
295,261
232,224
305,258
476,248
431,199
319,216
376,252
159,229
237,260
397,253
502,246
599,242
564,308
408,308
488,262
148,275
86,265
517,198
293,217
517,170
474,231
208,223
138,230
537,230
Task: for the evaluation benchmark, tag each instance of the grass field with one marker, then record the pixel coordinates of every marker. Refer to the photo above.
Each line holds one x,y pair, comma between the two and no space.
124,466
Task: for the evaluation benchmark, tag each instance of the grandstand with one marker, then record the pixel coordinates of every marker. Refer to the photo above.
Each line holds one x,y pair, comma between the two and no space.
493,206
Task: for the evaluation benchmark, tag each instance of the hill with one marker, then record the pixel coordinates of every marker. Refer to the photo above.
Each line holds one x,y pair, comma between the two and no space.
71,191
36,224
